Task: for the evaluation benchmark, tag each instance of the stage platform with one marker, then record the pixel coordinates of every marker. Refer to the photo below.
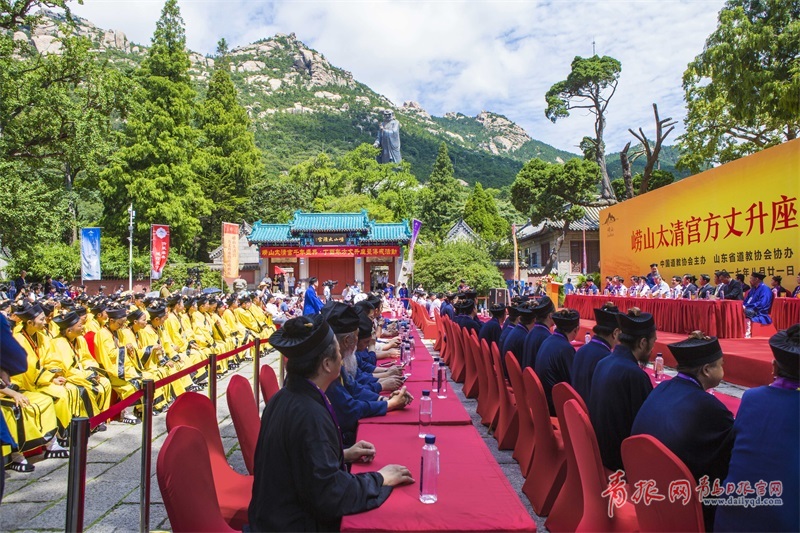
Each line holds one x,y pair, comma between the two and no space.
748,362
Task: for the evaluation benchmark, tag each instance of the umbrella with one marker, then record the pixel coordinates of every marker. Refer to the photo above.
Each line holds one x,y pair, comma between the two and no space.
212,290
279,270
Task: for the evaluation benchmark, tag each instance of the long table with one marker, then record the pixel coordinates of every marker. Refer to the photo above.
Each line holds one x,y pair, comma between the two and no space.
785,312
718,318
473,492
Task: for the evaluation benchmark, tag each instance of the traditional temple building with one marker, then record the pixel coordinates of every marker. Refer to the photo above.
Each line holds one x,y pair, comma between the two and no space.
344,247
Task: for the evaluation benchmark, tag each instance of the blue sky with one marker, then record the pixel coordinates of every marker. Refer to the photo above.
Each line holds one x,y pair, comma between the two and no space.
467,56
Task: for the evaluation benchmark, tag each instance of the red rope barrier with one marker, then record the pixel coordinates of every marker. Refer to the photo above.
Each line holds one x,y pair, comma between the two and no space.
117,408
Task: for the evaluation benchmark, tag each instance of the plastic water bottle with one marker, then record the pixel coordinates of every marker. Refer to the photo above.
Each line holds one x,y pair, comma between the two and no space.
658,368
721,295
587,338
429,471
425,413
434,374
407,367
441,381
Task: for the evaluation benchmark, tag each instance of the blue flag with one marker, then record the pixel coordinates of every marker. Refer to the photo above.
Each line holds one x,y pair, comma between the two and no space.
90,253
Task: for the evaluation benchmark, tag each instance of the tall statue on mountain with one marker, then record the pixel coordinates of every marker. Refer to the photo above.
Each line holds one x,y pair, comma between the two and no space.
389,139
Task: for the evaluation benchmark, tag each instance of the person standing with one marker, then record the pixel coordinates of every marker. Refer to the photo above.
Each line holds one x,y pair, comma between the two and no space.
311,303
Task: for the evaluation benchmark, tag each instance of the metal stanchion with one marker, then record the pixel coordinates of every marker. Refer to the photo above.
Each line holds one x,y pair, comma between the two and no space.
212,380
76,480
281,369
148,387
256,369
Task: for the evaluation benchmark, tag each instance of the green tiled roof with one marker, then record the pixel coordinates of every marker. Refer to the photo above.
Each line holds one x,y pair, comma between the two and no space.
396,232
272,233
330,222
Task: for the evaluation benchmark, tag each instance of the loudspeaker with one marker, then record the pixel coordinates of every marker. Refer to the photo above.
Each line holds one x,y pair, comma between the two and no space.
498,296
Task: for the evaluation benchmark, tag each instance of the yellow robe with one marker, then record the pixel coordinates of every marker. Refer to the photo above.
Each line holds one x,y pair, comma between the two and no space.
91,325
39,378
95,388
120,369
178,334
145,363
178,361
33,425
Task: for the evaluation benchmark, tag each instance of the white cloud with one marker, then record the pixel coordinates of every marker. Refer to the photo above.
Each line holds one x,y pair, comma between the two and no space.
467,56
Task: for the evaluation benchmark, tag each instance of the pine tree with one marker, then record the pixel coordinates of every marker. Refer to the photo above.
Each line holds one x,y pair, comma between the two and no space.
153,169
480,212
228,161
440,197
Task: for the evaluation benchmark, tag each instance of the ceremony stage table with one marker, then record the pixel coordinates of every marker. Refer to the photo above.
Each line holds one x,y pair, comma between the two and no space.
785,312
716,318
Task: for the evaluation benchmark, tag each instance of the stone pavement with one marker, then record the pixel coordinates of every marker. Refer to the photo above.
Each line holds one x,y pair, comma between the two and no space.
37,501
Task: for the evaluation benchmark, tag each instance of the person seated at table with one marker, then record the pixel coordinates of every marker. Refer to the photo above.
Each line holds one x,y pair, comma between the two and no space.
609,285
796,291
649,279
759,300
766,439
745,287
704,287
777,288
447,308
731,288
301,481
350,399
466,317
515,341
556,354
512,319
619,287
589,287
539,331
688,287
660,289
491,329
620,386
676,287
569,288
606,330
693,424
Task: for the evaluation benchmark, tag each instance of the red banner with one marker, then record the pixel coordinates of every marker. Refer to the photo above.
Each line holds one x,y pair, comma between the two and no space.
331,251
159,249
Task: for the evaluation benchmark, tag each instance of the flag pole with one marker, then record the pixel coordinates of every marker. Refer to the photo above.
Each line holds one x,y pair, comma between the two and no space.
150,287
132,215
516,252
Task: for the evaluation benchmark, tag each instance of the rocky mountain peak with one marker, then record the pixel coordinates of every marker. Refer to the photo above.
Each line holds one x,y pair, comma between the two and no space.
506,135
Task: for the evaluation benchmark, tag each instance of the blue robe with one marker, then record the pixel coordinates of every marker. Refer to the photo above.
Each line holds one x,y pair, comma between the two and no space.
508,327
311,303
536,336
766,443
514,344
352,403
694,425
491,331
759,303
586,359
447,310
470,323
619,388
554,364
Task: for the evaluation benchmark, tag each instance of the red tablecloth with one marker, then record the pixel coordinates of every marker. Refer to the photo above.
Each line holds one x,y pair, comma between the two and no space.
446,411
474,494
785,312
719,318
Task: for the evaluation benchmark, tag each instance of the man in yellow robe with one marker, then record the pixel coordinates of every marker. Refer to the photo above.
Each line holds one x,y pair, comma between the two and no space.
181,337
172,359
118,360
148,356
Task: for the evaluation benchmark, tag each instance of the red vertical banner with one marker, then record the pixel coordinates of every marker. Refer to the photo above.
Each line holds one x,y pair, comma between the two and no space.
159,249
230,252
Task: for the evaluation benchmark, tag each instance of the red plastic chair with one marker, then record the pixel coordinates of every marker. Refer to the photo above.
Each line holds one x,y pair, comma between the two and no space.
508,422
184,477
568,507
523,450
444,346
493,411
471,384
646,458
244,413
487,399
437,320
593,479
268,383
548,468
233,490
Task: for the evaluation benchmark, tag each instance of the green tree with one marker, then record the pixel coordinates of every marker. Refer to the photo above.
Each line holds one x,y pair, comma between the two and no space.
743,91
273,199
227,162
440,267
439,197
590,85
480,212
658,179
555,192
353,203
153,170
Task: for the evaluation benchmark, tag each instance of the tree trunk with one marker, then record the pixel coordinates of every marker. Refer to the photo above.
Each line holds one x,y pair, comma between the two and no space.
626,171
652,154
606,191
548,267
